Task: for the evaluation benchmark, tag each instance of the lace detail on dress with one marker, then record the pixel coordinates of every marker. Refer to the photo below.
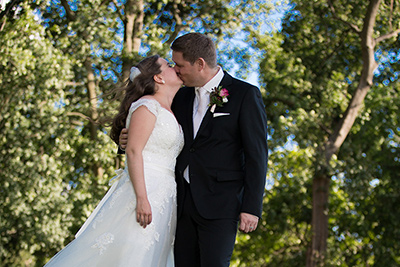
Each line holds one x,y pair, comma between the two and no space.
131,205
102,241
115,196
98,219
166,140
151,236
152,105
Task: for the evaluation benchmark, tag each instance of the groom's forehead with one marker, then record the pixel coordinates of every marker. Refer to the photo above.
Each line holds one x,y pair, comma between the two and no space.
180,61
178,56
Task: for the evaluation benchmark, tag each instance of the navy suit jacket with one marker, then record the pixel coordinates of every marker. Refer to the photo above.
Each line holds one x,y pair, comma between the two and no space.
228,157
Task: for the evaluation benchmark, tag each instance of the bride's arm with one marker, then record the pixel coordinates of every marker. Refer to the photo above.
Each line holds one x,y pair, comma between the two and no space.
140,127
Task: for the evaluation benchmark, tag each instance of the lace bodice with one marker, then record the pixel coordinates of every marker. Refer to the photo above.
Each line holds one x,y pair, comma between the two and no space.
166,140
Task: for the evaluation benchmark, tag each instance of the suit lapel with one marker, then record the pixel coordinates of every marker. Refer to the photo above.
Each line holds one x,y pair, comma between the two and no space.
206,119
225,83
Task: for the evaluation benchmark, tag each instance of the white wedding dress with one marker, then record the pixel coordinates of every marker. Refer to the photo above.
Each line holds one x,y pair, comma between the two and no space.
111,236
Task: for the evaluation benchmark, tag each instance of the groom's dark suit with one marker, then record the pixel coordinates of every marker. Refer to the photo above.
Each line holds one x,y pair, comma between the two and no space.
228,157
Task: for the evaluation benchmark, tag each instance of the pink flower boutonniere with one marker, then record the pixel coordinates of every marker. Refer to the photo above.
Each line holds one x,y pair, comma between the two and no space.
218,97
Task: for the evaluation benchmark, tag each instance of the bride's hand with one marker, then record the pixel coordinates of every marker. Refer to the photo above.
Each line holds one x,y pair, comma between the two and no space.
143,212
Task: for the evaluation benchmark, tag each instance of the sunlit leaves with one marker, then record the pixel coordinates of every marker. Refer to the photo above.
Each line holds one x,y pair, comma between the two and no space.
310,76
32,80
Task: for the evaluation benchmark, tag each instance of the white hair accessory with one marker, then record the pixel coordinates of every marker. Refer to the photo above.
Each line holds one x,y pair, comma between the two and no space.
134,72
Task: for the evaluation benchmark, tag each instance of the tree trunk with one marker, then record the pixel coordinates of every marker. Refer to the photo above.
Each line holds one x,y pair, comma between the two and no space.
133,32
320,189
93,114
317,250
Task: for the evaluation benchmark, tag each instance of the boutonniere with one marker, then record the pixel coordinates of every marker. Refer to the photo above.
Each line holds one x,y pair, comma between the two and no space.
218,97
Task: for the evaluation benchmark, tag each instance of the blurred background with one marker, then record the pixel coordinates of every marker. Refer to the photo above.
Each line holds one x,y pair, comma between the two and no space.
329,75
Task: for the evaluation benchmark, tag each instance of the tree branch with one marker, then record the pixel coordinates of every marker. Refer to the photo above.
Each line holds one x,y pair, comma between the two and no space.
332,54
368,44
351,25
387,36
7,10
118,9
325,129
70,14
83,116
74,83
391,16
178,26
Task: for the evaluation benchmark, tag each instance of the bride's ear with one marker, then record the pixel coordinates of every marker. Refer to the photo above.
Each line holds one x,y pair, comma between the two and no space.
158,79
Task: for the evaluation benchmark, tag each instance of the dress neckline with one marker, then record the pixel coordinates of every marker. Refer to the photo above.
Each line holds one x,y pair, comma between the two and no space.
158,103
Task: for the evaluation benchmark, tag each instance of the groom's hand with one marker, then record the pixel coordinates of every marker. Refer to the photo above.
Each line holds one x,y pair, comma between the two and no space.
123,139
248,222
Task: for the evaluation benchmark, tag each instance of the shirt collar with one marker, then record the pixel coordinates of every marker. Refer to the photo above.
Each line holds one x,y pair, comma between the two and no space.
214,82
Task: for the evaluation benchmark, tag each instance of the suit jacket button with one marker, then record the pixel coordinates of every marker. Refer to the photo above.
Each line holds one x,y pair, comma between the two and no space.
192,150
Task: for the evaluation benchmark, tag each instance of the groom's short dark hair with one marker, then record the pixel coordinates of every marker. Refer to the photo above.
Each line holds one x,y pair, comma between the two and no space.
194,46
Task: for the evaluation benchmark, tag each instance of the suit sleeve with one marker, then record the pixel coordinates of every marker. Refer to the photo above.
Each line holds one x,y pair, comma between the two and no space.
253,127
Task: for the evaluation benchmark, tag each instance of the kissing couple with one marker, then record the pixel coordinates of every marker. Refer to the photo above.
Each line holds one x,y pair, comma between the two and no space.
196,162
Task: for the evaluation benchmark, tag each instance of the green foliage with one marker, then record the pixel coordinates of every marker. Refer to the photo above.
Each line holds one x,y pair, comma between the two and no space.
48,186
33,75
281,237
310,71
366,221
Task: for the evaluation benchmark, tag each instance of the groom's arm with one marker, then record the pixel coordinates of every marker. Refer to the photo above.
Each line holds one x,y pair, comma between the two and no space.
123,141
253,127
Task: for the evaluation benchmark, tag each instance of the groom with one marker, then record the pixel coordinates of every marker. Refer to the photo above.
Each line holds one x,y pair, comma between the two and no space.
221,170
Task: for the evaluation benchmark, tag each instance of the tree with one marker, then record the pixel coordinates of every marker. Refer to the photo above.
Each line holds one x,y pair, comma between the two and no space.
33,74
317,82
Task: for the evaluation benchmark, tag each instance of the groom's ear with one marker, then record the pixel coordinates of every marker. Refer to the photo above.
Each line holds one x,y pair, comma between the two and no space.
201,63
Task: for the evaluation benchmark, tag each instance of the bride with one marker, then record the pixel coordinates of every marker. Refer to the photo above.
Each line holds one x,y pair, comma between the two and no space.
134,224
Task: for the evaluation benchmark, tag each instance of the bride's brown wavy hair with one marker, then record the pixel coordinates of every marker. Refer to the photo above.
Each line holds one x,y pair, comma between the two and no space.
142,84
